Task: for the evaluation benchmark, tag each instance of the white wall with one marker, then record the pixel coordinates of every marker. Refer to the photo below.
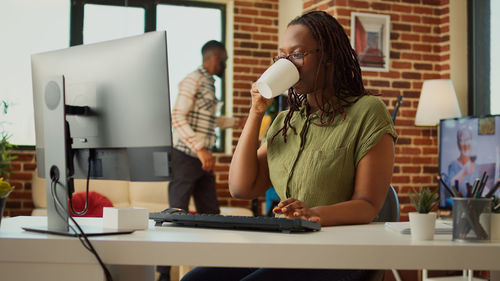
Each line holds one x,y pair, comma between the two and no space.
288,10
458,51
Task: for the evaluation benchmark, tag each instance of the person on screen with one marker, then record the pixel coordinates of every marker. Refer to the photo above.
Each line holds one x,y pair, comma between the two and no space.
329,156
462,170
194,120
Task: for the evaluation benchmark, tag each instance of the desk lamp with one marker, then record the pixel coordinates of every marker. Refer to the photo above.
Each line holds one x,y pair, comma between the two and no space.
437,101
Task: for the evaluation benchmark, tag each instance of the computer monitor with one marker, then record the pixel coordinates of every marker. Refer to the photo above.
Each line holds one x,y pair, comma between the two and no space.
468,147
114,96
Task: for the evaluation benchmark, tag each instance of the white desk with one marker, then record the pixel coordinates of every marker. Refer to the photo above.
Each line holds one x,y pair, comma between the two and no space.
363,246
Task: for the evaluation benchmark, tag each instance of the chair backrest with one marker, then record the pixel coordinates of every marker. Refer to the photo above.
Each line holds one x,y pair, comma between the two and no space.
390,209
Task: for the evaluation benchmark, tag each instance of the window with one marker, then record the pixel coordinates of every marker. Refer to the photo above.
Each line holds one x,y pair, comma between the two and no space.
184,43
102,22
26,27
495,58
185,40
99,20
484,65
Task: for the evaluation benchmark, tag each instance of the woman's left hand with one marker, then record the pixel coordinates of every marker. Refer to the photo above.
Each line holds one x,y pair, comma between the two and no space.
293,208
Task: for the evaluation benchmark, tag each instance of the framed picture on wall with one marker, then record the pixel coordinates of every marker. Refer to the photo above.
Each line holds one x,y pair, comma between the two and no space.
370,39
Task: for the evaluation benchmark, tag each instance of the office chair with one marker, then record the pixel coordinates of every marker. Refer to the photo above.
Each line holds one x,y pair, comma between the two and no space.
390,209
388,213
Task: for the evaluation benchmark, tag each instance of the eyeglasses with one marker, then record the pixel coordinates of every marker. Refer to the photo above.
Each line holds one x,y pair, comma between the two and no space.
297,58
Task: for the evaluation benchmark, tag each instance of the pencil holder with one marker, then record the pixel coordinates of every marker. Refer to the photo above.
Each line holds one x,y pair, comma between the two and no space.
471,219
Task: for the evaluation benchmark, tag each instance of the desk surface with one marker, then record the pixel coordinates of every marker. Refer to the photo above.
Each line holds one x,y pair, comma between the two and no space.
362,246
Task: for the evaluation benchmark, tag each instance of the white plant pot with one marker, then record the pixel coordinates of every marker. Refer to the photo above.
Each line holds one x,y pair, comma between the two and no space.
422,226
495,226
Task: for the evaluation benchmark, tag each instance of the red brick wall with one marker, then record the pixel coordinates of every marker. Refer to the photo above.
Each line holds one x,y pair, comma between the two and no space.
255,43
19,202
419,50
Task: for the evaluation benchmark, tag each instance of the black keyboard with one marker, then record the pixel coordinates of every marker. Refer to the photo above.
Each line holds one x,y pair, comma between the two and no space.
236,222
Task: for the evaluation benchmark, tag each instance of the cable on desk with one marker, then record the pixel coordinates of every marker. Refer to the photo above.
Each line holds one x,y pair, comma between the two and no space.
80,234
70,196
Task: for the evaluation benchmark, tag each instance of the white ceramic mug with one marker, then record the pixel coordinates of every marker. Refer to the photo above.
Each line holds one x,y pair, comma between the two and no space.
278,78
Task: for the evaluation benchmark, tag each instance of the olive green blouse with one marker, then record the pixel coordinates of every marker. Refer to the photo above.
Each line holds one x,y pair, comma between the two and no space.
318,164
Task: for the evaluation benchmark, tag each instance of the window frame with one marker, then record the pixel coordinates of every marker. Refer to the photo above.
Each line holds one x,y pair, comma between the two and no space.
478,37
77,21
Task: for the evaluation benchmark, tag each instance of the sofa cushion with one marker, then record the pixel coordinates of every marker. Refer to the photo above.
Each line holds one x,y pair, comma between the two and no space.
96,203
38,192
114,190
150,195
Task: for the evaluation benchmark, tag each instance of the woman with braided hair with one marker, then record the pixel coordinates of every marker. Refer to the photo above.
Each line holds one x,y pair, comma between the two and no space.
329,156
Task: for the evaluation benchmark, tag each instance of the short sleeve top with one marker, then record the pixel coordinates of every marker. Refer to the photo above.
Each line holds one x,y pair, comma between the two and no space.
318,164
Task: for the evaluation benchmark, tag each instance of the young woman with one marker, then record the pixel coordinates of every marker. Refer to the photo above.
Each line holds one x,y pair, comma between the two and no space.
329,157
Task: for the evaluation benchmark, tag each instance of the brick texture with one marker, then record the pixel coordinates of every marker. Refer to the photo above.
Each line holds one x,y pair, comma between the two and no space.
249,62
19,202
419,50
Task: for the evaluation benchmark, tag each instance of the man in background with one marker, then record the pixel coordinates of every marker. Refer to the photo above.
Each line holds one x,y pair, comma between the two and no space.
194,120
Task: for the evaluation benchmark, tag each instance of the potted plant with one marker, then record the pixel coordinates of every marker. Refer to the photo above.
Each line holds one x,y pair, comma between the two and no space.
5,159
5,156
5,190
423,221
495,220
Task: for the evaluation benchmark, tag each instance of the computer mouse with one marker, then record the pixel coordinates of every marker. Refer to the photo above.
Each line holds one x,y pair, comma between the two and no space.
174,211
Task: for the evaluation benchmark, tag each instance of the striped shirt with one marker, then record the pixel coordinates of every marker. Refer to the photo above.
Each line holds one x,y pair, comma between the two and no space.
193,115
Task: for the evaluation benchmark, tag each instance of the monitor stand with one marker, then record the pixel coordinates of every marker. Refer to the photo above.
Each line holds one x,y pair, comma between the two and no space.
57,149
88,230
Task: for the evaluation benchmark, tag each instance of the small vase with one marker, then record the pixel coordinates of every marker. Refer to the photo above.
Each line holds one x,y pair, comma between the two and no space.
422,226
2,206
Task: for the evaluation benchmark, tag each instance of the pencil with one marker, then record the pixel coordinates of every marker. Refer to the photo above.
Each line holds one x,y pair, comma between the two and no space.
451,191
474,187
496,207
493,190
456,188
469,189
482,184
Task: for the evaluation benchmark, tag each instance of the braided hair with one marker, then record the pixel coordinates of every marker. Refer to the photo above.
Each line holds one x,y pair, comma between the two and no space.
346,79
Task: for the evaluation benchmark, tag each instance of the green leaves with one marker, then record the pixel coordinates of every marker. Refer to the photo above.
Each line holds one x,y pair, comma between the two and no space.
4,106
424,200
5,147
5,156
